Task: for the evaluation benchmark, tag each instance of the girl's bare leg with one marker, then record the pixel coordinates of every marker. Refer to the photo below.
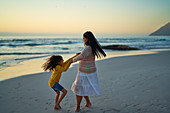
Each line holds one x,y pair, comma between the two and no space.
61,98
78,98
56,99
88,103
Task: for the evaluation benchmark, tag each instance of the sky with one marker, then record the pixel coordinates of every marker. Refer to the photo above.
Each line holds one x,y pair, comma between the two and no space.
77,16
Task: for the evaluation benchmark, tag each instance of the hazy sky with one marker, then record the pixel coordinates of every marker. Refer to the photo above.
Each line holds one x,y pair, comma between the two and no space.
77,16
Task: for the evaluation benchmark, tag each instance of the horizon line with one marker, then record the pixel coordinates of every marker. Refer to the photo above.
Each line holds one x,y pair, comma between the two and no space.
49,33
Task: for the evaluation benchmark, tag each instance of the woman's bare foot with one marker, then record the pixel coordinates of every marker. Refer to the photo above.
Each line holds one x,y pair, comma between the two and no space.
77,109
56,107
87,105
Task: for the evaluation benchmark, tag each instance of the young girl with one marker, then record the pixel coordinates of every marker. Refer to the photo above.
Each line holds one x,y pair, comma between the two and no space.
55,64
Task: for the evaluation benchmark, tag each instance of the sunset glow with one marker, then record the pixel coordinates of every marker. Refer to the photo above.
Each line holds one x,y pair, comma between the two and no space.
76,16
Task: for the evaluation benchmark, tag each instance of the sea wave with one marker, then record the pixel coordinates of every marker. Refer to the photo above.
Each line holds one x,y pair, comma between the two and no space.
14,40
36,44
2,63
28,58
21,45
20,53
27,53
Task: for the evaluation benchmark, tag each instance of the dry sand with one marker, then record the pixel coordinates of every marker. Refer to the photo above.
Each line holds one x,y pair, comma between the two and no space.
129,84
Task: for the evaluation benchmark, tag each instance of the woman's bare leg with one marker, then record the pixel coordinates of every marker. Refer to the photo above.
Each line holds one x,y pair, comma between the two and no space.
88,103
78,98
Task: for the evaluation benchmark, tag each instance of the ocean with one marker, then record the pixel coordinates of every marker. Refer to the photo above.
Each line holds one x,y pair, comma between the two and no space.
18,48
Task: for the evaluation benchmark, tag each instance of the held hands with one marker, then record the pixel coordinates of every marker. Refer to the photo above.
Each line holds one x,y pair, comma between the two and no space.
71,61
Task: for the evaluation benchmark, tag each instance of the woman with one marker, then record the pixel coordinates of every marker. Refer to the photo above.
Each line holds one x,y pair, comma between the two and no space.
86,83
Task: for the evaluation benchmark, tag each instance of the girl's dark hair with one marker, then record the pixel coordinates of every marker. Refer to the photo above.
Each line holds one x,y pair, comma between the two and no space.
52,62
96,47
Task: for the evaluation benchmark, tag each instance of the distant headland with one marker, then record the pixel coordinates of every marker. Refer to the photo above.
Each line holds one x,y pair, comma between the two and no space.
163,31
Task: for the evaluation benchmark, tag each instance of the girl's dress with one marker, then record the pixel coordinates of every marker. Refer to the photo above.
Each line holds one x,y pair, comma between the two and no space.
86,82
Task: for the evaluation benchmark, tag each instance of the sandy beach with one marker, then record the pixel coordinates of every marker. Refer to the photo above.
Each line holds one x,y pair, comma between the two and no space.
129,84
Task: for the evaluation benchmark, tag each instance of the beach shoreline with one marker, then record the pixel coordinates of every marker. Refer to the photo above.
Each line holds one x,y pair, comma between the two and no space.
129,84
18,51
33,66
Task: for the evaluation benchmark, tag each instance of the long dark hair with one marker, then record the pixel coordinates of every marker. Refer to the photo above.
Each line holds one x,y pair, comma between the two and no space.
52,62
96,47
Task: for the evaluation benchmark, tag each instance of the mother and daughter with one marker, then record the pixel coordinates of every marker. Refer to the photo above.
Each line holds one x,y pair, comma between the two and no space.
86,83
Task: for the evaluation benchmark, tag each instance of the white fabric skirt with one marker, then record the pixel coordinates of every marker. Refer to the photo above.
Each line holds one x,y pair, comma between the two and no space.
86,84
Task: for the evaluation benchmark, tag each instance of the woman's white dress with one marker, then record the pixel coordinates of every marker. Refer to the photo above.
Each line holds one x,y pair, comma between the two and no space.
86,84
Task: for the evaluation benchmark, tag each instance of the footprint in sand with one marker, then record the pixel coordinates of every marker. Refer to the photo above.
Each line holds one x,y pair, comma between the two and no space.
36,99
31,98
19,85
135,105
138,110
111,110
48,103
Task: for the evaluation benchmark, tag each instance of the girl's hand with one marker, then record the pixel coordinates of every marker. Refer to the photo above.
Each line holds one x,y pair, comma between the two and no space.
71,61
77,53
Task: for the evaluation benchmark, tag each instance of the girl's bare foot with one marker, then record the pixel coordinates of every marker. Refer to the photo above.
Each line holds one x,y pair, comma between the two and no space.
59,106
56,107
77,109
87,105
